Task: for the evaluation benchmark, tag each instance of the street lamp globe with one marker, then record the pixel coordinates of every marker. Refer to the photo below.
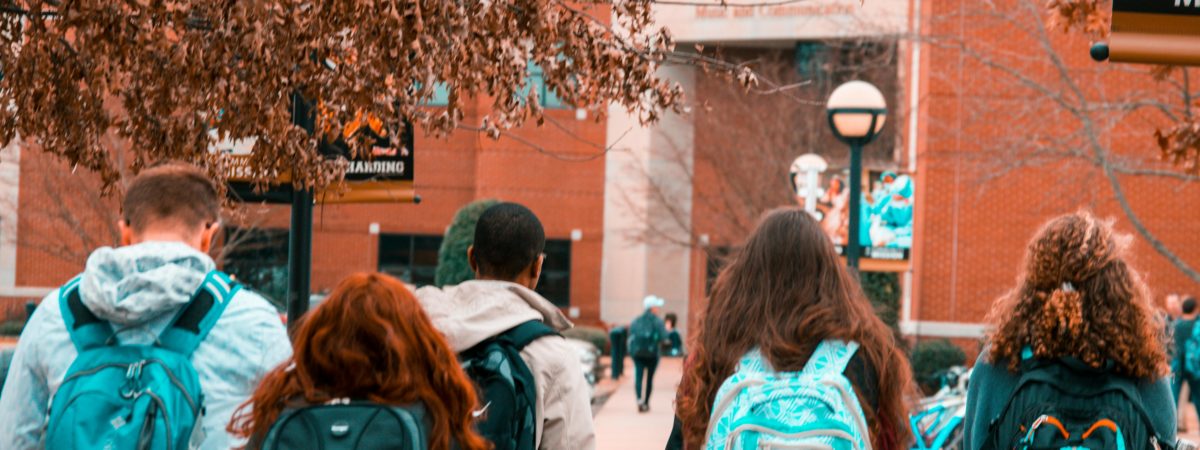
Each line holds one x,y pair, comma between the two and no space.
857,111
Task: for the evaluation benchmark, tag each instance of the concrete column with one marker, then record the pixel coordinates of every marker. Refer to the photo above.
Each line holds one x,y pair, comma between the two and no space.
648,210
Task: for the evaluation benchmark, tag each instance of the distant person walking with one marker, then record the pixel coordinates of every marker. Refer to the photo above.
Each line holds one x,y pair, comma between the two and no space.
1185,366
1074,357
789,342
646,336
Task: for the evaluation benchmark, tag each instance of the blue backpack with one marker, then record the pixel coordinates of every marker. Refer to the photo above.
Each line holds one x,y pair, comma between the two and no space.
759,408
1191,354
134,396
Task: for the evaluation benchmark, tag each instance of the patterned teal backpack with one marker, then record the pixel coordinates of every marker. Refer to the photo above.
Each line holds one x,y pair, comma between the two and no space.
816,408
134,396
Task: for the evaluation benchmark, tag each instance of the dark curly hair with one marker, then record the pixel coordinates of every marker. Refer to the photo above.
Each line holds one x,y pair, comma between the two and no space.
1078,297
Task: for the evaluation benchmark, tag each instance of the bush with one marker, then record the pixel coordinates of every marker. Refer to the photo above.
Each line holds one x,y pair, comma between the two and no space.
931,357
883,289
597,336
11,327
453,267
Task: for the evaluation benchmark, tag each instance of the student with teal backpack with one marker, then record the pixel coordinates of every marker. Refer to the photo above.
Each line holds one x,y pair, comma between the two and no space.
646,336
790,353
151,347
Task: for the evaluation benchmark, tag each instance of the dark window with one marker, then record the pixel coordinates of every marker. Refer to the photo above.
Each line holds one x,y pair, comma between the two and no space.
412,258
555,284
811,60
258,258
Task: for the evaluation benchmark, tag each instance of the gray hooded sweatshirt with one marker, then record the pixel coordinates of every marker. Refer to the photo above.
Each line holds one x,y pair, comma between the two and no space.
138,289
475,311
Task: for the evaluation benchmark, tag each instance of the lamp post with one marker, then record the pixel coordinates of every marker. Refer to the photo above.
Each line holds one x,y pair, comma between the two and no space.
810,167
856,112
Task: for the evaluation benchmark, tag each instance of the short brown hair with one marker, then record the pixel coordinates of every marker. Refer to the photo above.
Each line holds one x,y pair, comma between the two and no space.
173,194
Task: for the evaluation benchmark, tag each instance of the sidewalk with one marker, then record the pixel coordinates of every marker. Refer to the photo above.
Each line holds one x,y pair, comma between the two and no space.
619,426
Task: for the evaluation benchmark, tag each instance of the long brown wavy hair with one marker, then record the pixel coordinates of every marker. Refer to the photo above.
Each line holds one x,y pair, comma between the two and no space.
784,292
1078,297
370,340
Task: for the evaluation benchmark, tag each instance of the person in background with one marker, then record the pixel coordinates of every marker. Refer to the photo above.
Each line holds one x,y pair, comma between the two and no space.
368,340
646,336
618,338
1079,312
1184,333
674,340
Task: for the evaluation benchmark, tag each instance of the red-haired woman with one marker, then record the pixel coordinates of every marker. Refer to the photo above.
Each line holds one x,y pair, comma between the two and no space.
369,340
782,297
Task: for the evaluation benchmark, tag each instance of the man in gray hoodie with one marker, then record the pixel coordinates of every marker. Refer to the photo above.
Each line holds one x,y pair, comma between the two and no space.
170,216
507,260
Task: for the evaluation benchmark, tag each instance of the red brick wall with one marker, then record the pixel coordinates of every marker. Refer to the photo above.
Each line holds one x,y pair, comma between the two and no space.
450,172
972,230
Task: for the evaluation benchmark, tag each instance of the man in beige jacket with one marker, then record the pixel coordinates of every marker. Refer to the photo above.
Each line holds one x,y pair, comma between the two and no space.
507,260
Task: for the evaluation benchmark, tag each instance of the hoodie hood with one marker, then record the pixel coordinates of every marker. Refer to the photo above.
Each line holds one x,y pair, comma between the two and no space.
474,311
134,285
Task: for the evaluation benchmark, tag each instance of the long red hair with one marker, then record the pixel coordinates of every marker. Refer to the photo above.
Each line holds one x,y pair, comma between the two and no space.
371,340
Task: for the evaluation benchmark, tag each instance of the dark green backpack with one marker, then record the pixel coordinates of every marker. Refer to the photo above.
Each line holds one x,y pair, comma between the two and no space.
1064,404
644,337
346,425
506,387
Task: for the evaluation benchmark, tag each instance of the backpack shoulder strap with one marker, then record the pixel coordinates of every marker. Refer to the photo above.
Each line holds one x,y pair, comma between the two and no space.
87,331
193,322
522,335
831,356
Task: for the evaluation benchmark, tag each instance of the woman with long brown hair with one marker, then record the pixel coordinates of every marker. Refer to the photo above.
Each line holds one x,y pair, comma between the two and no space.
1082,314
783,294
369,340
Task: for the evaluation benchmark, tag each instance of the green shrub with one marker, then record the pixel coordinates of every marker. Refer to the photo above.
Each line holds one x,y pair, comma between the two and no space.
11,327
883,289
453,267
930,357
597,336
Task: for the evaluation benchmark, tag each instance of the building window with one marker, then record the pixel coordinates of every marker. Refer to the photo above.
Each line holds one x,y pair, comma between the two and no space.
555,283
258,258
412,258
811,60
441,95
546,95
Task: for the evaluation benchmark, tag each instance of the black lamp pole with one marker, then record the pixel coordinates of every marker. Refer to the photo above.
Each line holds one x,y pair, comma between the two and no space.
299,255
853,246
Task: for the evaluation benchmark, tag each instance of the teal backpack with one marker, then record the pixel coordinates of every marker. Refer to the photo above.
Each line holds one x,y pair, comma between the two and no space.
134,396
816,408
1191,354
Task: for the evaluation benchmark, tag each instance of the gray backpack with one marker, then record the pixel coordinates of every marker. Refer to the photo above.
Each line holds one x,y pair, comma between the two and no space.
343,424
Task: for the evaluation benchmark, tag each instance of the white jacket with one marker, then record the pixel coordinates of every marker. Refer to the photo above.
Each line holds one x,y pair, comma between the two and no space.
474,311
138,289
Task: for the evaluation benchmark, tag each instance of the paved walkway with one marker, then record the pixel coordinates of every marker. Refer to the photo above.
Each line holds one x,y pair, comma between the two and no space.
619,426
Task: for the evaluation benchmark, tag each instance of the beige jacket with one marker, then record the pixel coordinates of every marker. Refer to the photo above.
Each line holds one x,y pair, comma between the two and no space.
474,311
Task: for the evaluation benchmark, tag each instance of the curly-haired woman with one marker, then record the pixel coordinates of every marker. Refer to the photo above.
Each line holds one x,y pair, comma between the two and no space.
781,299
1080,307
369,340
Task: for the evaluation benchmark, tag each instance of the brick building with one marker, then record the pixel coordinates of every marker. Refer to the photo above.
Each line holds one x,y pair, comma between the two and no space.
55,215
1002,122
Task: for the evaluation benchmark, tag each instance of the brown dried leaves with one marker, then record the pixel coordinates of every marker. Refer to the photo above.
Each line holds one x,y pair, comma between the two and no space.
1181,145
162,74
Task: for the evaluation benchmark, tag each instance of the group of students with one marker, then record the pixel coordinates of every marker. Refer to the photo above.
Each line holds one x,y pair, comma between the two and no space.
151,347
789,353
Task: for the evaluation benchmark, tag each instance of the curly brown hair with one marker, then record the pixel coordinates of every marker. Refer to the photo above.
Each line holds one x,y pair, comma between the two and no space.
1078,297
